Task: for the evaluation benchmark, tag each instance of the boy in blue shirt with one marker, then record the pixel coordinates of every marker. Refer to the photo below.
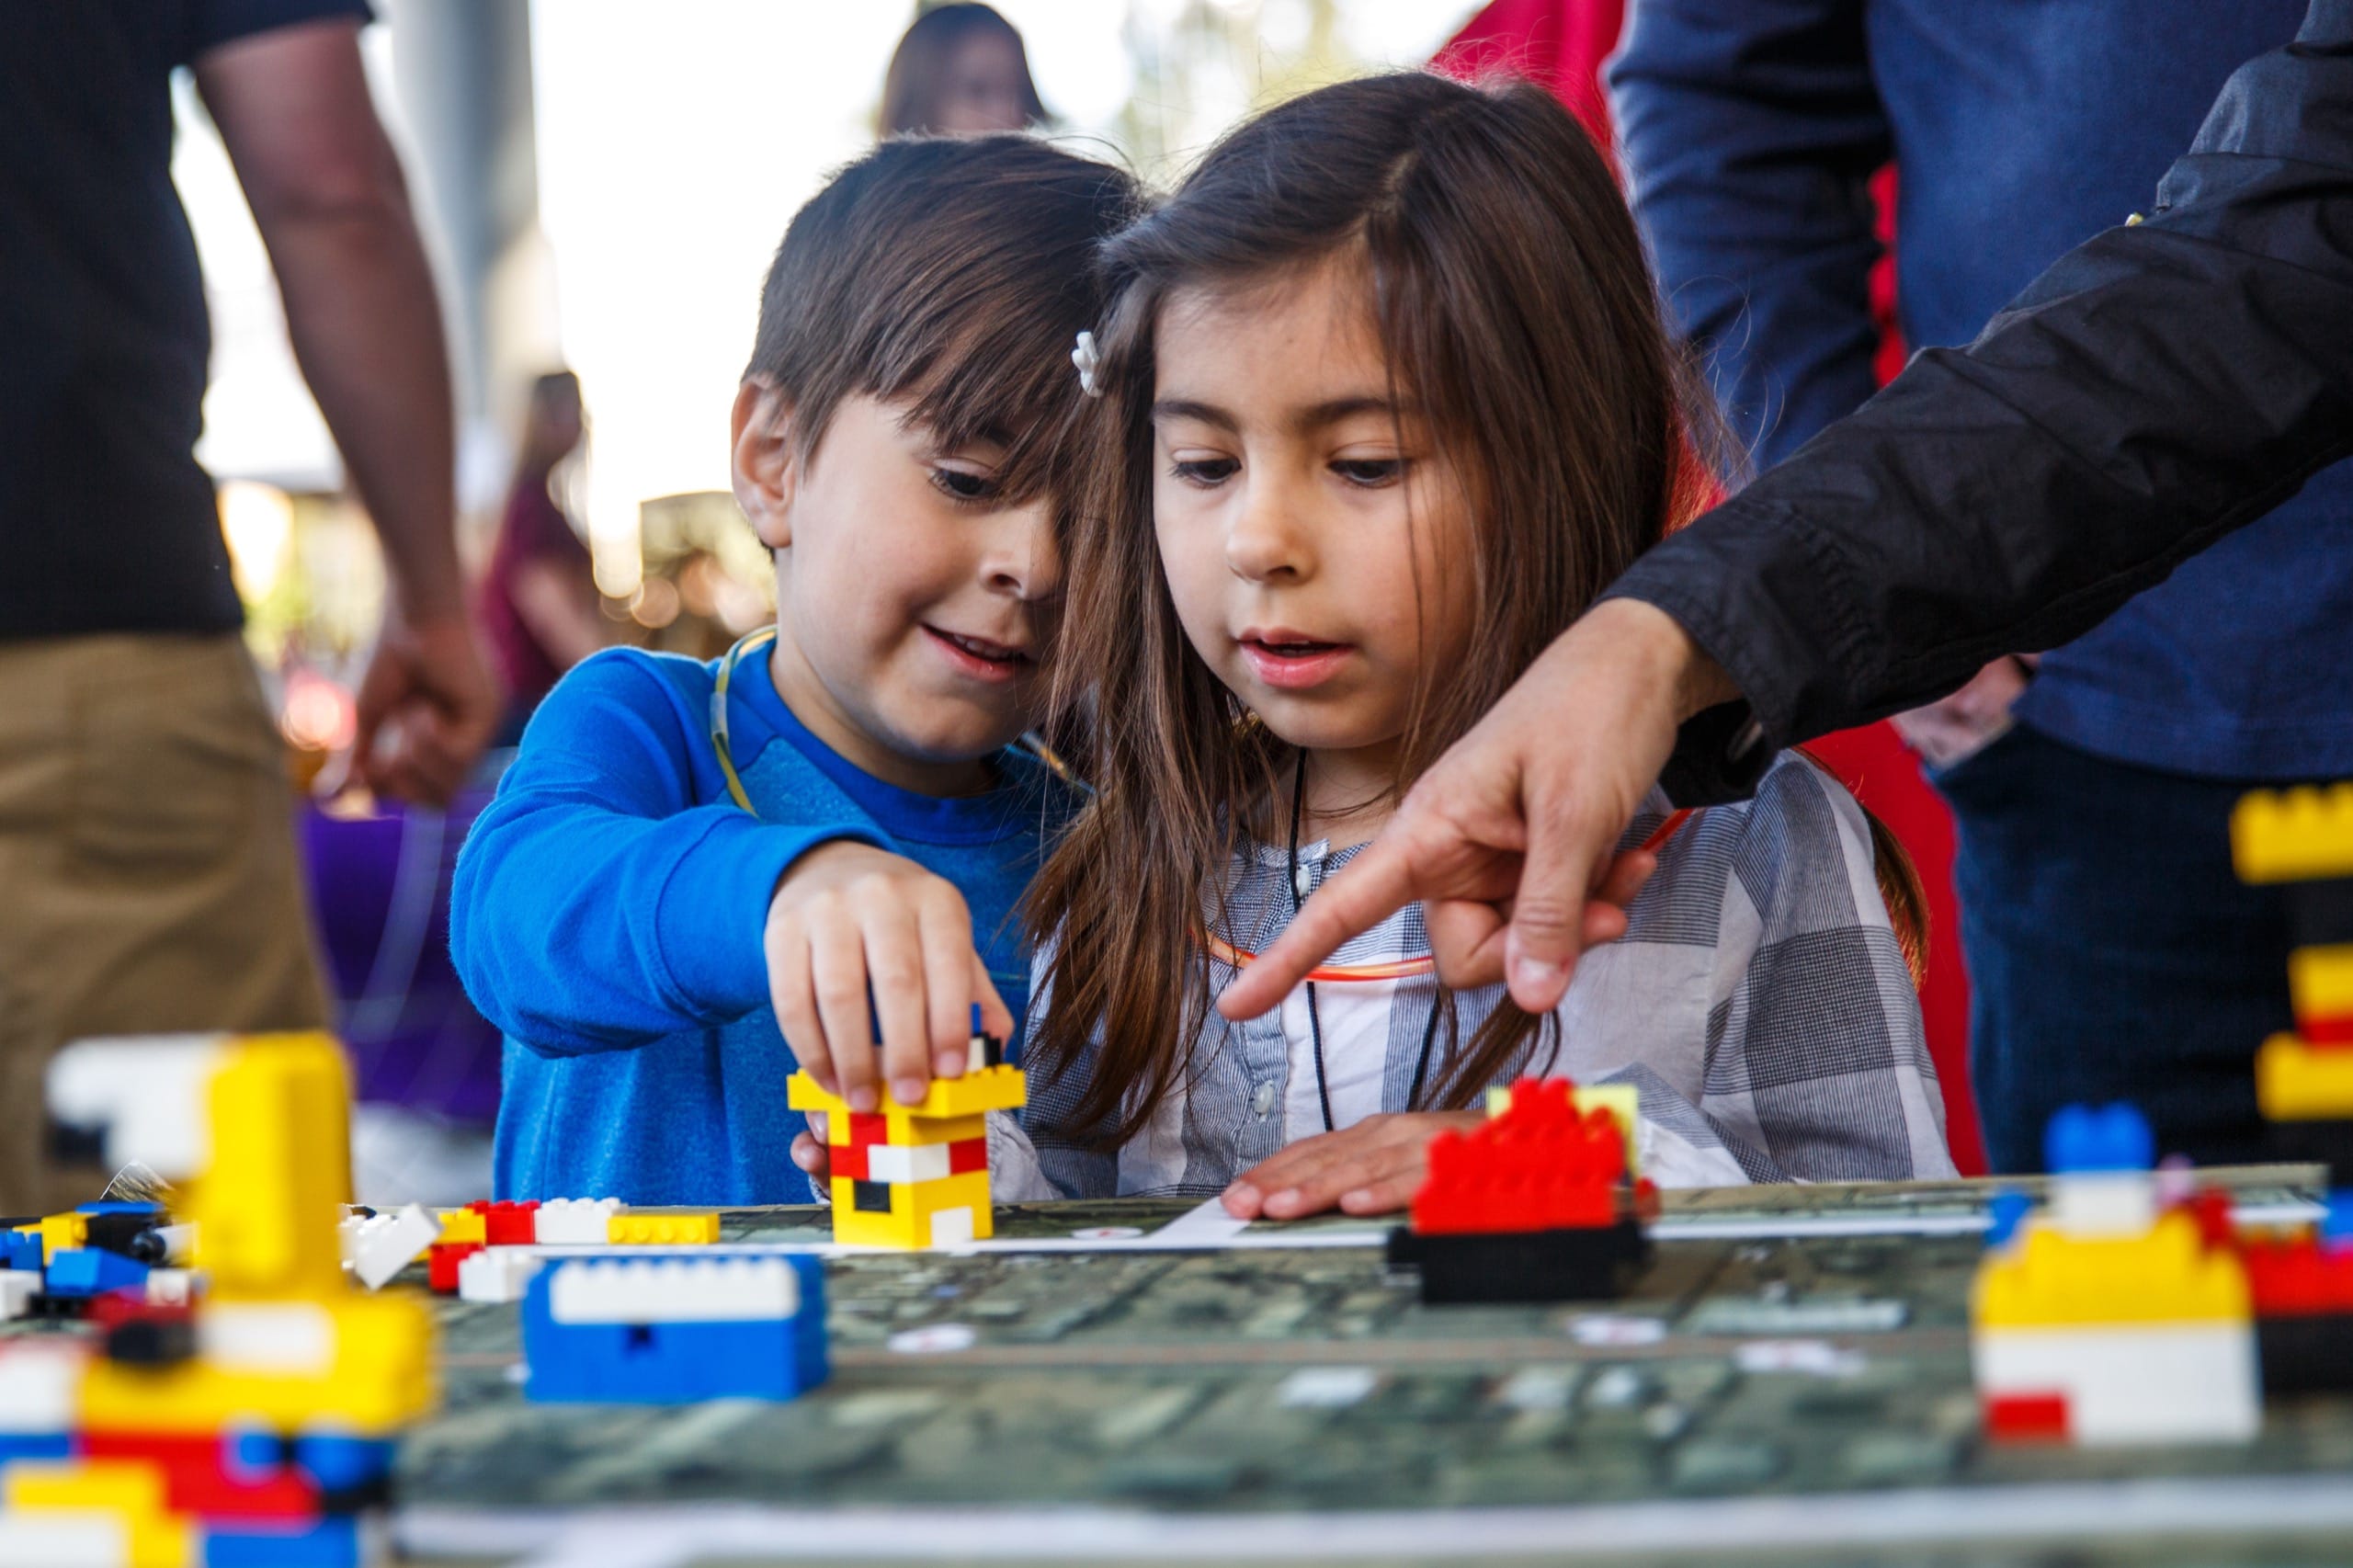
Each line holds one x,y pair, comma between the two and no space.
687,856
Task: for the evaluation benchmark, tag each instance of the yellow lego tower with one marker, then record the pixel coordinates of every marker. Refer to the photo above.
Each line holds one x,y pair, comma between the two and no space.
916,1175
2304,1081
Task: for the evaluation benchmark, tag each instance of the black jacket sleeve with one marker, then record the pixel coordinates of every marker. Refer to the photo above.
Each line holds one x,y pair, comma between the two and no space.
2162,384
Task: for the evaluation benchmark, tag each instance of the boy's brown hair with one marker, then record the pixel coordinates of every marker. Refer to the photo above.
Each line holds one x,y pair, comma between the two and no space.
953,274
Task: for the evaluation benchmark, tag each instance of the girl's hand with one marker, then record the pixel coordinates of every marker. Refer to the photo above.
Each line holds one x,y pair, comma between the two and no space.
846,915
809,1153
1371,1168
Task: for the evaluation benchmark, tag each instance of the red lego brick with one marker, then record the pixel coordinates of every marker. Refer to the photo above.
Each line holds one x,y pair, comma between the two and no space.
199,1480
2026,1417
1539,1166
2325,1029
441,1260
869,1129
968,1154
2210,1208
2300,1277
508,1224
849,1160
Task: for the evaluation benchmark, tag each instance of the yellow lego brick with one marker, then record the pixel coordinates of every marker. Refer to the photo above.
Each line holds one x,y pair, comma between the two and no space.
462,1225
662,1227
1621,1100
2320,980
265,1210
2168,1275
986,1089
371,1375
2295,1082
61,1232
855,1228
905,1129
128,1492
931,1199
2293,835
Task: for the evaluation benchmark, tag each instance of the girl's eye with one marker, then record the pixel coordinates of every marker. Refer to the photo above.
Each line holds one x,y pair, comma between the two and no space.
1371,473
959,484
1205,472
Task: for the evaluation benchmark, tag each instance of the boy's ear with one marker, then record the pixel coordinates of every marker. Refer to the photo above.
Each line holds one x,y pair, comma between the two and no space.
763,466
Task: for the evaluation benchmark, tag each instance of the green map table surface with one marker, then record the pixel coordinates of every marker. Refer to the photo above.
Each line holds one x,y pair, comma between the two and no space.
1783,1397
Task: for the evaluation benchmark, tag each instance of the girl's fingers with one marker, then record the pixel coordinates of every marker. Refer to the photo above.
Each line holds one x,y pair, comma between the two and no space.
945,935
837,960
791,994
894,963
1386,1196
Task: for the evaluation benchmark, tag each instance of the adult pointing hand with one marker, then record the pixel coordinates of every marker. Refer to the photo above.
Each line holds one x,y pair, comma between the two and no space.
1508,841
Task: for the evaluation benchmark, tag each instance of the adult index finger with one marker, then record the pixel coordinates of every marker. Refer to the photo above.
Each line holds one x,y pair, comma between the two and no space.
1360,895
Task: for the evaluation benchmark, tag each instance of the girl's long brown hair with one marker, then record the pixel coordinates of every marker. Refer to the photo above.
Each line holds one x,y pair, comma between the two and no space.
1516,311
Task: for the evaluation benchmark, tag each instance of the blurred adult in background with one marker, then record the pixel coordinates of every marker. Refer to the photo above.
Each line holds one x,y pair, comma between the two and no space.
146,837
961,70
2112,953
538,599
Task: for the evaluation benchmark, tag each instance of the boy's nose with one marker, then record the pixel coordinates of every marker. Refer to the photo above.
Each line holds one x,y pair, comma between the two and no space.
1022,559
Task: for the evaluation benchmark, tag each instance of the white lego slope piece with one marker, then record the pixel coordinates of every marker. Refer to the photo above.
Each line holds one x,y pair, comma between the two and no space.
39,1380
144,1094
393,1241
575,1222
2103,1203
275,1338
497,1274
663,1290
17,1289
2129,1383
170,1287
63,1539
900,1164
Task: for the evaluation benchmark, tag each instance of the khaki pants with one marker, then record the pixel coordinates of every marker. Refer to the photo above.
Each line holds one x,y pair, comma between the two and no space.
148,876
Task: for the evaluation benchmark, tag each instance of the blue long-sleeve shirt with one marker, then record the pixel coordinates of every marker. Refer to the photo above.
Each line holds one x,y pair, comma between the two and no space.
609,909
2018,130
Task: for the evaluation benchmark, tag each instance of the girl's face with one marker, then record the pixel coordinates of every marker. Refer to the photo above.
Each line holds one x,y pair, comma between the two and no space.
1313,537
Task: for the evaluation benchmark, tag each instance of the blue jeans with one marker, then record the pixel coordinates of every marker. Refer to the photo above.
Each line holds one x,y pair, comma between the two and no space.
2112,953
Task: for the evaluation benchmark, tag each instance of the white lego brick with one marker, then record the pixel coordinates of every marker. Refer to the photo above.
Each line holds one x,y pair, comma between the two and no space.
951,1227
2103,1203
39,1380
145,1092
497,1274
170,1287
64,1538
571,1221
17,1289
275,1338
391,1241
2132,1382
978,1056
348,1231
697,1290
902,1164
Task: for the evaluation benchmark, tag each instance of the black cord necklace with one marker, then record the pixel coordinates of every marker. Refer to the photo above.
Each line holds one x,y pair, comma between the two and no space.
1314,1018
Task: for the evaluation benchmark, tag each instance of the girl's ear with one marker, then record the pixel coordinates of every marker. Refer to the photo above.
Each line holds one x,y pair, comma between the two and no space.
764,464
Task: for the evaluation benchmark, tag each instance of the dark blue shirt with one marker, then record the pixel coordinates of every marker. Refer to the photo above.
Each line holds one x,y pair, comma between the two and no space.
2018,129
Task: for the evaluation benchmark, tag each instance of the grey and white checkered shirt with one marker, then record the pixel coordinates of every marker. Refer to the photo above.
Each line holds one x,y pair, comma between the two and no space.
1759,1001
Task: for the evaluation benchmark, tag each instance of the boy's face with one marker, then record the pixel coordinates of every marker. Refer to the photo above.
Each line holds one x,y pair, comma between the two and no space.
911,602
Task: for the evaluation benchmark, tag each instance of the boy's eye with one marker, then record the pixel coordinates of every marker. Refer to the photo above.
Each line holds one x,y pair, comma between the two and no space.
963,484
1371,473
1205,472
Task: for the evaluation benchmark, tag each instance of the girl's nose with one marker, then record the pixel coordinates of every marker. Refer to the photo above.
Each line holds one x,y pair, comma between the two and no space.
1262,542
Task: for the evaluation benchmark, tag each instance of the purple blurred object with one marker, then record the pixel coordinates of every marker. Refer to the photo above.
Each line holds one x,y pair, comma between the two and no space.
379,890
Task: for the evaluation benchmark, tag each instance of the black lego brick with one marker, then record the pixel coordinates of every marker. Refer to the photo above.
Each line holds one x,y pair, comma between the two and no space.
1583,1264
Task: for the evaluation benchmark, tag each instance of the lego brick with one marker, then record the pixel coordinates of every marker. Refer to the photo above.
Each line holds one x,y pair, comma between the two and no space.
2306,1352
497,1274
278,1338
350,1472
508,1224
2098,1138
170,1287
870,1197
991,1088
2294,1081
21,1248
721,1288
63,1232
2026,1417
2320,988
150,1337
39,1378
202,1476
390,1242
968,1156
442,1260
138,1099
66,1541
865,1127
86,1271
2299,1276
336,1542
909,1163
17,1289
133,1230
662,1227
461,1226
2131,1383
1569,1264
848,1161
2103,1203
128,1492
2046,1278
565,1221
2292,836
1540,1165
951,1227
267,1206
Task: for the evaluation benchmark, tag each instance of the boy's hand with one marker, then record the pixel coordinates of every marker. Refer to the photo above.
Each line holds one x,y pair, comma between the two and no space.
846,914
1371,1168
809,1152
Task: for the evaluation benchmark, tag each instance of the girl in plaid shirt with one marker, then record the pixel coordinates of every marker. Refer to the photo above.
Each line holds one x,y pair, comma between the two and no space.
1386,402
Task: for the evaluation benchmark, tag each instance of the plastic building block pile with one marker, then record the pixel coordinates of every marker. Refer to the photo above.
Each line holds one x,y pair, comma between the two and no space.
1540,1203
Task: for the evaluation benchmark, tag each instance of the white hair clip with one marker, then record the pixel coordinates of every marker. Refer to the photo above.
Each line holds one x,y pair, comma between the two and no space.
1089,361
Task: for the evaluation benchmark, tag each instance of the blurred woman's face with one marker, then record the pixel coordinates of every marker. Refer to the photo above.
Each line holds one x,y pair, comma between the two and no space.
982,88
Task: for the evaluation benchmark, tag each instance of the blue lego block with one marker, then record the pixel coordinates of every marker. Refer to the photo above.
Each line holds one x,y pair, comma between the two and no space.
339,1463
36,1446
88,1271
19,1250
2337,1225
2098,1138
118,1206
2004,1215
331,1543
676,1362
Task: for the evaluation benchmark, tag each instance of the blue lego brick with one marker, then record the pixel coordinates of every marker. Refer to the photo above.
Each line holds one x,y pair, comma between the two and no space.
88,1271
338,1463
332,1542
118,1206
2098,1138
2337,1225
677,1362
36,1446
2004,1215
19,1250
